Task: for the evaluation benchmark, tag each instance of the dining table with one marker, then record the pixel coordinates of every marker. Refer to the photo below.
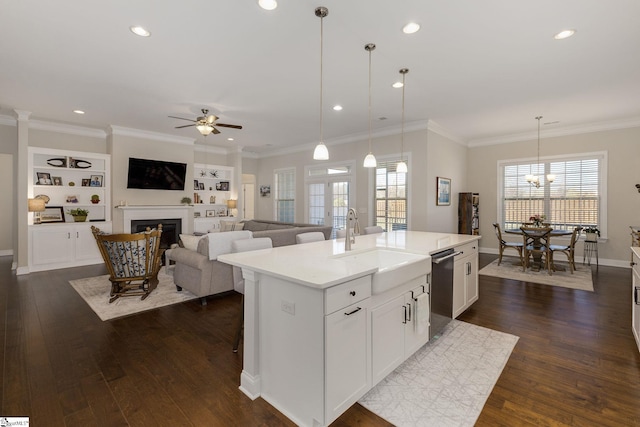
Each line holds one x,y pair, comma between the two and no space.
537,259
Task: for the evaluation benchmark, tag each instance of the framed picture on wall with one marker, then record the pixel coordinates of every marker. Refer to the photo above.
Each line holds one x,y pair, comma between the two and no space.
443,193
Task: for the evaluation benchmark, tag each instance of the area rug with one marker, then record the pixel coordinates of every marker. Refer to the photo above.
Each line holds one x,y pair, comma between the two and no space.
446,382
510,268
95,291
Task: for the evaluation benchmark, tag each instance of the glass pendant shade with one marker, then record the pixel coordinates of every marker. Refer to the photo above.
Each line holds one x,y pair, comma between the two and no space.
321,152
401,167
551,177
204,129
370,161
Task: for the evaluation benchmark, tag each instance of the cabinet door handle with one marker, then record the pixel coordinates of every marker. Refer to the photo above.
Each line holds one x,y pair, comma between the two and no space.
352,293
409,307
468,268
68,235
405,314
635,295
353,312
77,234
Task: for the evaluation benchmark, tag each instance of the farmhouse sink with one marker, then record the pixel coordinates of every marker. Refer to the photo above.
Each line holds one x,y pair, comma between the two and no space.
394,267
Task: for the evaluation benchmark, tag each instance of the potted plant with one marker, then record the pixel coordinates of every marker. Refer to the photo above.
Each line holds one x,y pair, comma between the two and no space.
95,199
592,233
186,200
79,214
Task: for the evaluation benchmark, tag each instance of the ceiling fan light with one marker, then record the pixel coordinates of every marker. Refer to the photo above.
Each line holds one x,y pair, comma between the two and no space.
401,167
204,129
321,152
370,161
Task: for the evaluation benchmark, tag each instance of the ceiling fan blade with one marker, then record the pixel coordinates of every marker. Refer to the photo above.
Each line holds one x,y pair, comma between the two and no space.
181,118
215,131
229,126
185,126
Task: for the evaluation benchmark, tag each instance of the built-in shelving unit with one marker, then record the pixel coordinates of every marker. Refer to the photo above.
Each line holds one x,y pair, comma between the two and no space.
67,180
468,213
212,187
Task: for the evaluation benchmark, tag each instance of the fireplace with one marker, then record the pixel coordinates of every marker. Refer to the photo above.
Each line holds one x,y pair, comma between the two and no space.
171,229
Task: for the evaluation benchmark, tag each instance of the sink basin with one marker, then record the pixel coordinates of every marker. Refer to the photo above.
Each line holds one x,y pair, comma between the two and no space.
394,267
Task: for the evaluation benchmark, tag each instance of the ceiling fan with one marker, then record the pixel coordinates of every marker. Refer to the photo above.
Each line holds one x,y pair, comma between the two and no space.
206,123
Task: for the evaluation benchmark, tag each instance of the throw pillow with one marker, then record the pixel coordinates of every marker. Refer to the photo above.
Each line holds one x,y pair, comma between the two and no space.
190,241
231,226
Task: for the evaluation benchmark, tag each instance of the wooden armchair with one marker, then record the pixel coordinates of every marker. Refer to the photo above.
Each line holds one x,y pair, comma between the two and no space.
133,261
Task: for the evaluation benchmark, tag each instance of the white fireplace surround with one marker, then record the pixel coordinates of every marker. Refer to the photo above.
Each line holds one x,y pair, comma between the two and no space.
131,213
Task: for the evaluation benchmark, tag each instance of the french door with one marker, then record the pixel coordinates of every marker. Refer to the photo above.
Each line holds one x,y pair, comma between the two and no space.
328,202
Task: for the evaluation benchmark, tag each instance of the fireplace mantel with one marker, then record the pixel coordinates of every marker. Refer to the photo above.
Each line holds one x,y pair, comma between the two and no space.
133,212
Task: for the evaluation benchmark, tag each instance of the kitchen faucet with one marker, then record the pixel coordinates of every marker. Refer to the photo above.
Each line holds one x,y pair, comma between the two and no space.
350,238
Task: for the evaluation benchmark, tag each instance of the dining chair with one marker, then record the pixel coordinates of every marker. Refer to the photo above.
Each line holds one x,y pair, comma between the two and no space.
373,229
518,246
244,245
569,250
313,236
536,242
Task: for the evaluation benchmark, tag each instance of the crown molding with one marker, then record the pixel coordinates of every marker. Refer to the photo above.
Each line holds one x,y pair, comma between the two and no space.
7,120
564,131
22,114
442,131
145,134
67,128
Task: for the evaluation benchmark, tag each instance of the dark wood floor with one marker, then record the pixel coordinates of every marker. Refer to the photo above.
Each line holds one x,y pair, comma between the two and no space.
576,362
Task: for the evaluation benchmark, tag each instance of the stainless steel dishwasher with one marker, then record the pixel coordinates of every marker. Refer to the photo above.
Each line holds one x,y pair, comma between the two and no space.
441,290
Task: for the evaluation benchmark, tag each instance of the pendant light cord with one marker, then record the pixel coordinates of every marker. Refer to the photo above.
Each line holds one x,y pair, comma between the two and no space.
321,55
402,127
370,49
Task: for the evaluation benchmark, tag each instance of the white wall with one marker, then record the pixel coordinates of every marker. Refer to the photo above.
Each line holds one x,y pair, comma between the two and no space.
623,147
6,208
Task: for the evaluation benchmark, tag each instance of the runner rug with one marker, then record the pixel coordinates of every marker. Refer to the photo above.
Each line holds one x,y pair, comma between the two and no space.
446,382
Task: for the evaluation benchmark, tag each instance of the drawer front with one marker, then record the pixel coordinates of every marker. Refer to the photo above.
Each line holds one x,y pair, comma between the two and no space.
348,293
468,248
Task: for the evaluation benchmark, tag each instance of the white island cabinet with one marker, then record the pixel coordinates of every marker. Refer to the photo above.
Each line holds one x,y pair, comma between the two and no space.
465,278
635,293
319,322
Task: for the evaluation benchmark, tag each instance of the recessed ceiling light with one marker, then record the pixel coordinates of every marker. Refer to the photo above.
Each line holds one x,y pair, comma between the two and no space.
229,139
397,85
78,111
268,4
337,107
564,34
139,31
411,28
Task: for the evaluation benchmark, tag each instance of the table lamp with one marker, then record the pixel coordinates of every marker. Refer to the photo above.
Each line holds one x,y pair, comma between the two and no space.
231,204
36,206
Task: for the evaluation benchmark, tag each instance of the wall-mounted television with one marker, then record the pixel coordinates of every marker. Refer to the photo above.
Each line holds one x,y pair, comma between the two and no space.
156,174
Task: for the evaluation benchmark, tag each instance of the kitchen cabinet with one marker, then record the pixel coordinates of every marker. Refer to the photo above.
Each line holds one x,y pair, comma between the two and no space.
635,294
63,245
468,213
465,278
209,225
394,332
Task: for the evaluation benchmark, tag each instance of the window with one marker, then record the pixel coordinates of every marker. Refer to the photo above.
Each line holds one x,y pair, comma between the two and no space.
575,197
285,192
390,197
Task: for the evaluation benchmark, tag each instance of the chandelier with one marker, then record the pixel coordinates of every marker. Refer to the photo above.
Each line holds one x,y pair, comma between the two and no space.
534,180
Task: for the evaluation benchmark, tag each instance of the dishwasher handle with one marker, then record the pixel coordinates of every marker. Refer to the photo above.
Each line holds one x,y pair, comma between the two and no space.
444,258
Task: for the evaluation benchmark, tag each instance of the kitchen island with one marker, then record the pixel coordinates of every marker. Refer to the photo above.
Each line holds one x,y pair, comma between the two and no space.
323,326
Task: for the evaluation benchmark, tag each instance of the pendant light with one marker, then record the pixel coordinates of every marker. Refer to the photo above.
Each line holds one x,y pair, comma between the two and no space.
370,160
534,180
321,152
401,167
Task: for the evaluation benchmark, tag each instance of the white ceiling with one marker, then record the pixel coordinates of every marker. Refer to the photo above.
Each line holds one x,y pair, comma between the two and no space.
482,70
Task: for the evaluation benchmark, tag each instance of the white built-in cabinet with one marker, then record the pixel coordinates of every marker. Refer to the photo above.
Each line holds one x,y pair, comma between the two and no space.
465,278
67,180
395,335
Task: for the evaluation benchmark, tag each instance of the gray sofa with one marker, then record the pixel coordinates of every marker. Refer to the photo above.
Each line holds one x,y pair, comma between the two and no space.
283,233
195,272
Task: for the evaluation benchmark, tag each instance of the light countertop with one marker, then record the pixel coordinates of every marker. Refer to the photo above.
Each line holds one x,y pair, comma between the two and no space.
318,264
